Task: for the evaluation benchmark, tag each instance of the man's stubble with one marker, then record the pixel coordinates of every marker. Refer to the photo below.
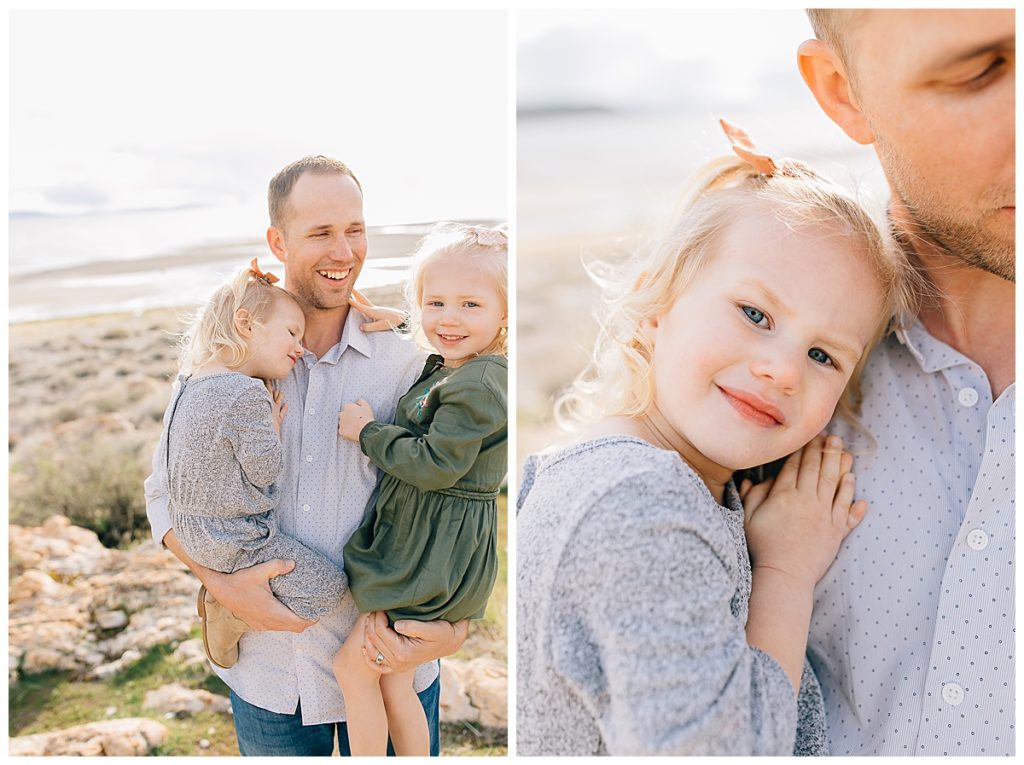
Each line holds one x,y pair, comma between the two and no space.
955,230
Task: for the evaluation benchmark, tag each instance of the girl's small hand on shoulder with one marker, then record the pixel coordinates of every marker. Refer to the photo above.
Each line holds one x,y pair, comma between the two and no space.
279,407
380,317
353,419
796,522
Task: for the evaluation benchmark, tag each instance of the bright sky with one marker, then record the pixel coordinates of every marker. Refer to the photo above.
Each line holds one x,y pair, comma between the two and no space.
629,58
135,109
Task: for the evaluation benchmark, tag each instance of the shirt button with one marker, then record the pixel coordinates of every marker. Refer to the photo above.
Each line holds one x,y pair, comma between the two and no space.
968,396
309,458
977,539
311,410
306,508
952,693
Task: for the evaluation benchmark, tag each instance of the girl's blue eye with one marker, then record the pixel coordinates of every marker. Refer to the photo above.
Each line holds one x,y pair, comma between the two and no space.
820,356
753,314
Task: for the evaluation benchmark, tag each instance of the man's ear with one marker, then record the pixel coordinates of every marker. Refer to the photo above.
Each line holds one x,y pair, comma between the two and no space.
826,76
243,323
275,238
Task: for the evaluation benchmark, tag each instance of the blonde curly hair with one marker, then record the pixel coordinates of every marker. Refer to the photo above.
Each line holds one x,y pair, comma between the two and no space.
618,379
212,332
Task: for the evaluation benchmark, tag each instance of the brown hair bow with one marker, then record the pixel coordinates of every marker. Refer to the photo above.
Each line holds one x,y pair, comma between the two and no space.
268,277
745,149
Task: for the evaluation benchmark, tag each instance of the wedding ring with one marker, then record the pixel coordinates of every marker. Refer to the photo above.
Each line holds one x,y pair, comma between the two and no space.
380,659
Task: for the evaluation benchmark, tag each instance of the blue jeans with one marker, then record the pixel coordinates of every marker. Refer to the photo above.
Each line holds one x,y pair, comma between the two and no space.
264,733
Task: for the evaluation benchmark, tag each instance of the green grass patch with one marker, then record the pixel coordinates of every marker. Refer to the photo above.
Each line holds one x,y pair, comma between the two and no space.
55,700
464,739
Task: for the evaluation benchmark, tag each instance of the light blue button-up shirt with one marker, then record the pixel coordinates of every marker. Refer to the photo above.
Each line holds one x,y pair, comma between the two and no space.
321,496
912,636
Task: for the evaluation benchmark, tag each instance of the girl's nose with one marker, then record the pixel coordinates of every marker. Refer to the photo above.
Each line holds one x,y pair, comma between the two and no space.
780,369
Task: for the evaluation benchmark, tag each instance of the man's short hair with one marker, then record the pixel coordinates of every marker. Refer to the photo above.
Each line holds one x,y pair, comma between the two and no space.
832,26
281,184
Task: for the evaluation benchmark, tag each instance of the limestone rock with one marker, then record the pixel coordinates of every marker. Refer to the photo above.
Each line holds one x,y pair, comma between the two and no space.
133,736
32,583
178,699
475,690
455,705
487,687
191,653
111,620
108,670
69,593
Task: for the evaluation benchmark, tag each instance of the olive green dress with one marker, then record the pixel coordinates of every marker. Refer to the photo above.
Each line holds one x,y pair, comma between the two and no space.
427,549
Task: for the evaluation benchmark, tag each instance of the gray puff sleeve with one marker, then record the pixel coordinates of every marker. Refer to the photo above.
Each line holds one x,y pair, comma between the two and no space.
249,428
646,589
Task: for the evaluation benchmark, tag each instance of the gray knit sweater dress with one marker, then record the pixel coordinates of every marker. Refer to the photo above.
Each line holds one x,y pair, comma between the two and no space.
633,588
223,456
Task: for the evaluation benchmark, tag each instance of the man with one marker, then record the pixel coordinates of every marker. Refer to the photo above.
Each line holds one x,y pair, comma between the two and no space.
285,698
913,630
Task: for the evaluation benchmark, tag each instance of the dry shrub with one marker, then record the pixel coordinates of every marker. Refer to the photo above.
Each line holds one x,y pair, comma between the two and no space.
96,483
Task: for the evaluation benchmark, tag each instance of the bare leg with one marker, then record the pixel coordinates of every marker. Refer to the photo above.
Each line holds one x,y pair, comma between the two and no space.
407,721
367,721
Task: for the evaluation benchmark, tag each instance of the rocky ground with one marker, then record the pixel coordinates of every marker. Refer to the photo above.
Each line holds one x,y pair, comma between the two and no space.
79,607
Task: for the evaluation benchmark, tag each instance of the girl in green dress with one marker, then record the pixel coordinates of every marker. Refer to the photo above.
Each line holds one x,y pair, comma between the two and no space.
427,550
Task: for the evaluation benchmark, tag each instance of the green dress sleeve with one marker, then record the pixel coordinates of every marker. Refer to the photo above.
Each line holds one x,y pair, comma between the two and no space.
467,414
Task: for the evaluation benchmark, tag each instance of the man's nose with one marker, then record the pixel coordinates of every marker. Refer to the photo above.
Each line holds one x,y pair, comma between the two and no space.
341,250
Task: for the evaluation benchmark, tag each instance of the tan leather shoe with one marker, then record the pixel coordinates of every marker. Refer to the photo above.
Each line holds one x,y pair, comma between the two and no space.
221,630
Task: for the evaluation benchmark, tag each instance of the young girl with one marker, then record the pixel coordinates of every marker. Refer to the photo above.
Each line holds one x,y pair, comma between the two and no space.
642,628
427,549
224,453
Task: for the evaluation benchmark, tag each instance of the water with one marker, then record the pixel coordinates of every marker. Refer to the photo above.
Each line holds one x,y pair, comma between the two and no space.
75,265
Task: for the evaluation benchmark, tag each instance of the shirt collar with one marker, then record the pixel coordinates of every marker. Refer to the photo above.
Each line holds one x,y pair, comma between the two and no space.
931,354
352,336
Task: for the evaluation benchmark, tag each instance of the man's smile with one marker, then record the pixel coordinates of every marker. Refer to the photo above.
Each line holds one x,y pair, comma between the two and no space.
335,276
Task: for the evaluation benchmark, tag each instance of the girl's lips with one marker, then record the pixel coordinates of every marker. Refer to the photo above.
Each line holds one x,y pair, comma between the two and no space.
753,407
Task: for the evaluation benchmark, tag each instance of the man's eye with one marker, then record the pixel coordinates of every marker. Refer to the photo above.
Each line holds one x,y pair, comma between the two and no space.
989,73
755,316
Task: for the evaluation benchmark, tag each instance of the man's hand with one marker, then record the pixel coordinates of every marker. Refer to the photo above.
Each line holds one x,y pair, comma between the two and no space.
353,419
246,593
411,643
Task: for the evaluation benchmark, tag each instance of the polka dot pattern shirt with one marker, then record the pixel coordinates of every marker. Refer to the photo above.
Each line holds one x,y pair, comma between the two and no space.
321,496
912,636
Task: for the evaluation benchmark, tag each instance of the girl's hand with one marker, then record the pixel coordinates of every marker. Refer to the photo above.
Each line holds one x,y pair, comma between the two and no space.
382,316
280,408
796,522
353,419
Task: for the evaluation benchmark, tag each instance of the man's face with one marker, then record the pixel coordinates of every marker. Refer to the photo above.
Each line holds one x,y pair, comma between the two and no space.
937,88
324,240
